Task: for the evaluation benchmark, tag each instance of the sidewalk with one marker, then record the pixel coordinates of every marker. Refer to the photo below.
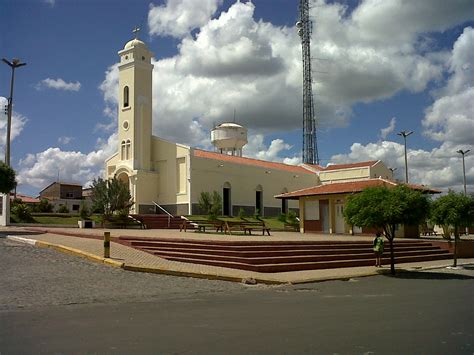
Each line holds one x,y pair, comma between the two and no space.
91,247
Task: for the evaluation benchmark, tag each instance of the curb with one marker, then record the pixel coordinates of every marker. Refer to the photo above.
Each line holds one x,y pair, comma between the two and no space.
137,268
80,253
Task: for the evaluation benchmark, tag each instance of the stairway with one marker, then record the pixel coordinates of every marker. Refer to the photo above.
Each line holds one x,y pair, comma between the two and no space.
160,221
282,256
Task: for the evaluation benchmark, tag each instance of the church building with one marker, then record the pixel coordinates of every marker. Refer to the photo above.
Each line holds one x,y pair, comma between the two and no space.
173,175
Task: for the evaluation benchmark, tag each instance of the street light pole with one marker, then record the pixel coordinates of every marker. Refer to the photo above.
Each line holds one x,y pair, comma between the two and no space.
392,170
5,209
405,134
463,153
15,63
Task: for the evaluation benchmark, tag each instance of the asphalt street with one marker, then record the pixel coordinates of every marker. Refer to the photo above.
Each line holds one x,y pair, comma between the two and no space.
56,303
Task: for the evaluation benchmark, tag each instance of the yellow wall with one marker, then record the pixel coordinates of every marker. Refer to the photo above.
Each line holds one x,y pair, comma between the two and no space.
210,174
347,174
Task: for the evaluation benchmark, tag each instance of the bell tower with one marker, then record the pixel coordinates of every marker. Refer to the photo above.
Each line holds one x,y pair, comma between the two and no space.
135,104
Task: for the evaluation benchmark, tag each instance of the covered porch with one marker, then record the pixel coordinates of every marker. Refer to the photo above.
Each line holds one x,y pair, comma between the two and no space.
322,207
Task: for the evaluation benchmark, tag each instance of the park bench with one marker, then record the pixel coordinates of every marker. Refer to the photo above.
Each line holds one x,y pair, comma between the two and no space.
202,225
246,226
425,230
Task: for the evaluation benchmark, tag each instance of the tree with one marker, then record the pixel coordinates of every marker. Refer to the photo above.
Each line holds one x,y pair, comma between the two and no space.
43,206
453,210
7,178
109,196
383,208
210,204
63,209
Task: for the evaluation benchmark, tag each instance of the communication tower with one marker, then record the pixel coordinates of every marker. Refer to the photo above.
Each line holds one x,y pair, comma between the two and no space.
310,144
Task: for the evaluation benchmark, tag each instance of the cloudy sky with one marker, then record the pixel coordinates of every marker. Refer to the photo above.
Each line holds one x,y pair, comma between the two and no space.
380,66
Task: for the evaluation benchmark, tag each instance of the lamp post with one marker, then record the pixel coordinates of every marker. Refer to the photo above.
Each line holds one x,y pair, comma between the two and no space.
392,170
405,134
15,63
463,153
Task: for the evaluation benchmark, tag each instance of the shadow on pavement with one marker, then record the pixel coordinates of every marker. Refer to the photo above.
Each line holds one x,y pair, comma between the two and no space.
429,276
19,233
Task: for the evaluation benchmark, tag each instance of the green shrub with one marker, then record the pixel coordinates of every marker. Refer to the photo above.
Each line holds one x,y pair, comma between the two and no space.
44,206
242,213
63,209
22,212
282,217
291,217
84,212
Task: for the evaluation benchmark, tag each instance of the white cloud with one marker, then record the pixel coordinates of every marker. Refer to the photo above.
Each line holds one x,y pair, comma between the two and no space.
178,17
451,118
58,84
50,2
384,132
65,140
441,167
256,148
448,120
236,61
42,168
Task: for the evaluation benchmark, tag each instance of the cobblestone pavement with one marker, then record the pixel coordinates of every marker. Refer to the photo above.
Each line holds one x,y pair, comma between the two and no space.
34,276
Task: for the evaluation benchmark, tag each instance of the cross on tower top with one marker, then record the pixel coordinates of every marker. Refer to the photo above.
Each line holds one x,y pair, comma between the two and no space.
135,31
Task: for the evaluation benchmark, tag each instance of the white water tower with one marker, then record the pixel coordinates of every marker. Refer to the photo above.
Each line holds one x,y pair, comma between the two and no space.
229,138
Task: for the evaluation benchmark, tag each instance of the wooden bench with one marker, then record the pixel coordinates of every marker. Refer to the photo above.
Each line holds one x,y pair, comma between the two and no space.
425,230
246,226
202,225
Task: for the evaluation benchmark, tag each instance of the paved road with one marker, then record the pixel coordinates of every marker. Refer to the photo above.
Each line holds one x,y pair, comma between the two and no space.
50,302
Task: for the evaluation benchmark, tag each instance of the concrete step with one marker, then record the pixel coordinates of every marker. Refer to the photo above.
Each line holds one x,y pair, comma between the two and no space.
300,266
293,258
268,251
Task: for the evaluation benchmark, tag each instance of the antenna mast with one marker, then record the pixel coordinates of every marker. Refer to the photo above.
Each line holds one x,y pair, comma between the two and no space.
310,145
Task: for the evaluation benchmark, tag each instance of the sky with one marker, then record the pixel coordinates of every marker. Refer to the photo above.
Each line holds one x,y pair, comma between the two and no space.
379,67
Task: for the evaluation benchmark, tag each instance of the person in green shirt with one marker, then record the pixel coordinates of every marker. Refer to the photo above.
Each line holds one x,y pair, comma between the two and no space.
378,249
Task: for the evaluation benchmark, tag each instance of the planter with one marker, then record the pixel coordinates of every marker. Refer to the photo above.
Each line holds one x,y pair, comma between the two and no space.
86,223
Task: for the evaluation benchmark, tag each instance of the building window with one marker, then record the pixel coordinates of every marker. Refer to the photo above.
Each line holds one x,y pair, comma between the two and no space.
128,147
75,207
122,151
125,96
69,195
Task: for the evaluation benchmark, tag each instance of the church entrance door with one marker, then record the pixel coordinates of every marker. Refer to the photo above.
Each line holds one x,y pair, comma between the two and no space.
226,201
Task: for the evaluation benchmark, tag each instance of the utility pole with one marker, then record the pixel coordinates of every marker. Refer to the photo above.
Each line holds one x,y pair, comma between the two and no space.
405,134
310,145
15,63
463,153
392,170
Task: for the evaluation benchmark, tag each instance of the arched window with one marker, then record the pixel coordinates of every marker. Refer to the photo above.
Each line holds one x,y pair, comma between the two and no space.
122,150
127,149
125,96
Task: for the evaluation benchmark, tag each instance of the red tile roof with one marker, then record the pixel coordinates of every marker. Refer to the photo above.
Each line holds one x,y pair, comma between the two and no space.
348,187
351,165
249,161
24,198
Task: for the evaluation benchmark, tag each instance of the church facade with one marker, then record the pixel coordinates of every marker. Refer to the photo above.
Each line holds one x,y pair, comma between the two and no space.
173,175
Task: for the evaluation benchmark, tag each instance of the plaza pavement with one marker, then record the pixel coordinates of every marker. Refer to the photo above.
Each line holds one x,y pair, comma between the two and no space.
87,243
